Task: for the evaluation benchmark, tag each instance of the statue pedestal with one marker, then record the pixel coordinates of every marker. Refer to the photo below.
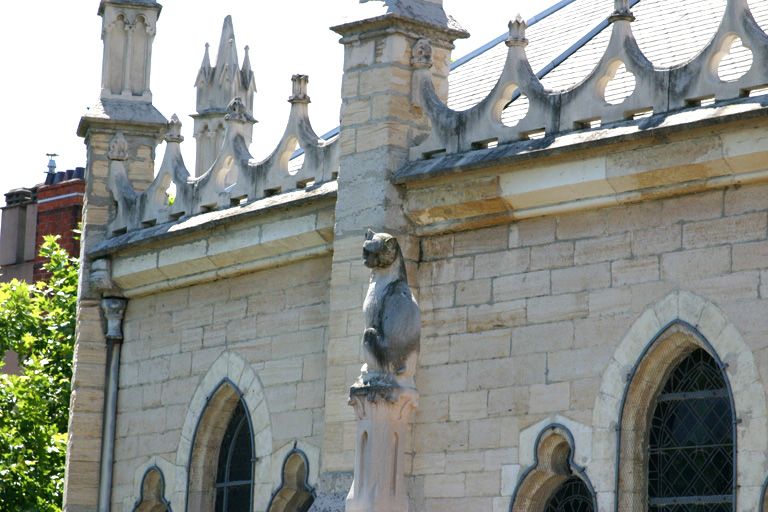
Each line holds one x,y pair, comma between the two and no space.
383,413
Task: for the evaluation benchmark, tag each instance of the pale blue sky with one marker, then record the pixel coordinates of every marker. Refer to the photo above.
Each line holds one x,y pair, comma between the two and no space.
52,67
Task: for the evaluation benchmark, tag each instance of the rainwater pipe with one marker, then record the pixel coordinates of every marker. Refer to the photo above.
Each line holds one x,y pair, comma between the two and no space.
114,310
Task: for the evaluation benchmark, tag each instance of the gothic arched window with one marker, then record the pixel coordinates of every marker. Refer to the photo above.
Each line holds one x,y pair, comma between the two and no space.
234,473
690,455
572,496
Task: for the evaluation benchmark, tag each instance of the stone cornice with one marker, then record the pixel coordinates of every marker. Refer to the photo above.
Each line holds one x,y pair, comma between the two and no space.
117,114
270,232
138,4
661,156
375,27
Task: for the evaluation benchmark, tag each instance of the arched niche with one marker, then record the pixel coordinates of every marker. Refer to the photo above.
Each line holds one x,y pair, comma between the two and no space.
552,473
152,494
295,493
140,41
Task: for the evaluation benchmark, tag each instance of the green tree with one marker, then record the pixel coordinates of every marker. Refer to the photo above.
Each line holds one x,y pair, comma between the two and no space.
38,323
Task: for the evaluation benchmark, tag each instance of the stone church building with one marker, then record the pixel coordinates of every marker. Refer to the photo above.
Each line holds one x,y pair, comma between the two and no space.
582,207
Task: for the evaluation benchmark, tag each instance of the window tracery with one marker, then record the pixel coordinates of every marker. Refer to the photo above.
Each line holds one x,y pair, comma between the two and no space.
572,496
554,483
690,455
677,430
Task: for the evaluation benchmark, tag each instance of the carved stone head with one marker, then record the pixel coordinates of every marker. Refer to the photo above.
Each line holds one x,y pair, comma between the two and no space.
380,250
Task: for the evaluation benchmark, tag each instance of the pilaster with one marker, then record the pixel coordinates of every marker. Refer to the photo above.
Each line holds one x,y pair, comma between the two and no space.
379,122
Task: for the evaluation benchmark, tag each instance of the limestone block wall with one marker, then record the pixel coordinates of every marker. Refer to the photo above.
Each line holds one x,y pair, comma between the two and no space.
265,332
540,321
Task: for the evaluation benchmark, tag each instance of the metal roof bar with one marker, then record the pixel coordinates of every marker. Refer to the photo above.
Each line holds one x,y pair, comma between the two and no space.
479,51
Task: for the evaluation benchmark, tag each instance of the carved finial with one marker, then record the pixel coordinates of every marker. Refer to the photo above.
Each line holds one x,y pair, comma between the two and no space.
421,54
238,112
247,59
114,309
118,147
174,131
517,32
299,89
621,11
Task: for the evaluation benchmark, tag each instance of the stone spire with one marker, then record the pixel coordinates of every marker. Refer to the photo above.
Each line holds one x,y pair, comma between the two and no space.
205,73
216,87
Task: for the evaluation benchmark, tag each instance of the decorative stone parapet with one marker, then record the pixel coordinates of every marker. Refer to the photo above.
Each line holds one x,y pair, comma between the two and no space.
656,91
383,413
233,179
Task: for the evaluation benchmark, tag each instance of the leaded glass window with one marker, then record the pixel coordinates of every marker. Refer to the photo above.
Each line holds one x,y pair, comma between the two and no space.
690,459
572,496
234,477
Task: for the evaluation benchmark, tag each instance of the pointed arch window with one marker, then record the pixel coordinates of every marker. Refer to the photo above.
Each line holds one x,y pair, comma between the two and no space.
691,443
234,474
572,496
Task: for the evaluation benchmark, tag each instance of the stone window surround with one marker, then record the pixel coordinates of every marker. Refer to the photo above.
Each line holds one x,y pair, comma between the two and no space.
698,323
553,464
650,375
290,479
235,371
231,374
152,497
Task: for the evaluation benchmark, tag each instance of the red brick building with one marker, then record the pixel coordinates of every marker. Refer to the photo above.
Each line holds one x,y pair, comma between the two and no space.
50,208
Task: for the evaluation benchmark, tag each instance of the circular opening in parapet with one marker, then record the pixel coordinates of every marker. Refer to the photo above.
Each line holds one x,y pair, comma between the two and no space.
620,86
170,193
295,159
515,111
736,63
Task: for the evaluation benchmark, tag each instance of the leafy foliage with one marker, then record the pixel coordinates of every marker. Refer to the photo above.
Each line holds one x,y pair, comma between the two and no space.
38,323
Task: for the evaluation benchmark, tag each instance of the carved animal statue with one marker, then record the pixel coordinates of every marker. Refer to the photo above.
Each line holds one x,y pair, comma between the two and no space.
392,321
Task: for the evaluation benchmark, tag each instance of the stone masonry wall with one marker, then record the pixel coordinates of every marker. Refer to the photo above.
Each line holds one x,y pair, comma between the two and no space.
275,319
520,323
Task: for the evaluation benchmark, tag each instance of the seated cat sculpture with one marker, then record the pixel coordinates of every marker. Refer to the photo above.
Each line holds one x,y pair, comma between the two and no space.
392,321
